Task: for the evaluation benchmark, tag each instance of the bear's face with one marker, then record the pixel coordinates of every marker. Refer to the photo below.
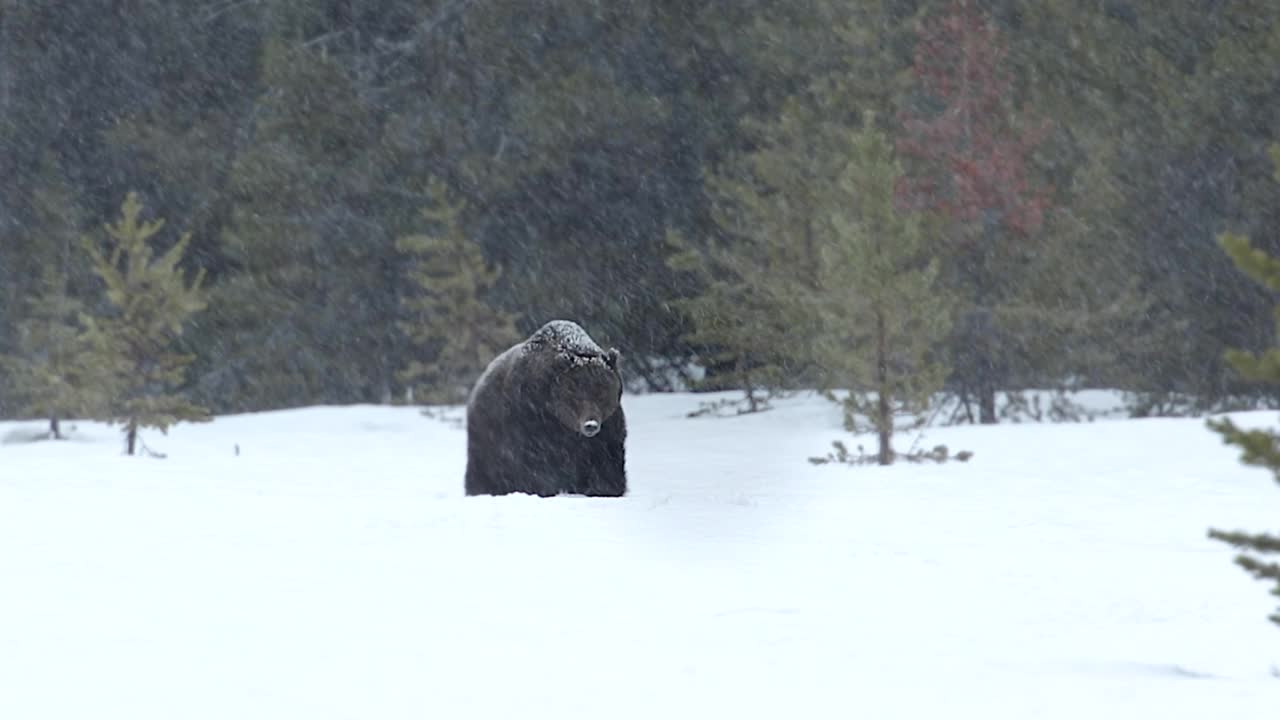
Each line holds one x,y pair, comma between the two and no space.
585,391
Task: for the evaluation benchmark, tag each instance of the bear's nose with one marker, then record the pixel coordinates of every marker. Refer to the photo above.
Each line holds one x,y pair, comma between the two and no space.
590,428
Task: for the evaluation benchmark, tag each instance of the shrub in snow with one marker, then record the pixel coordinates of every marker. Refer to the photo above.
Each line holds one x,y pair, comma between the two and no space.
937,454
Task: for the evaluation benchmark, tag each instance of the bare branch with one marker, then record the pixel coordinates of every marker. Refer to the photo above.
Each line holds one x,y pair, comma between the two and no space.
216,12
426,27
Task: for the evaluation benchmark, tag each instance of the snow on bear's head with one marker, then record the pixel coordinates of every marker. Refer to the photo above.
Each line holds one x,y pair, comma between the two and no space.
585,387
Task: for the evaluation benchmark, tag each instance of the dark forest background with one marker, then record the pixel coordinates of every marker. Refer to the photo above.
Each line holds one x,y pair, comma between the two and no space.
381,194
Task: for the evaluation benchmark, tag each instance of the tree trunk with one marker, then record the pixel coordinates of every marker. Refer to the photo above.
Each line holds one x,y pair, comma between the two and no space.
884,408
985,369
988,368
131,437
752,404
986,346
987,403
55,428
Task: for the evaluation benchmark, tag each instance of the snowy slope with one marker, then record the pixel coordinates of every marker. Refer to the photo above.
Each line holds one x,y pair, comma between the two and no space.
333,569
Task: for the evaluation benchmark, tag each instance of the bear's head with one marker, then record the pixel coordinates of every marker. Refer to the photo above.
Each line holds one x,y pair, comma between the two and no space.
586,390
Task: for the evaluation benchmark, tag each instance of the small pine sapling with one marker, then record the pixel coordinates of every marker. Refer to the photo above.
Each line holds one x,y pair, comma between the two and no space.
49,369
132,345
884,312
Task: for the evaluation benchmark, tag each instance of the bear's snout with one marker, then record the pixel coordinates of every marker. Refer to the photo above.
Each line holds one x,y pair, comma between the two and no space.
590,428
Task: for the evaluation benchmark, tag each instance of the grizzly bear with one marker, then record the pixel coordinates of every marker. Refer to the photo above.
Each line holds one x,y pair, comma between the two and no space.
545,419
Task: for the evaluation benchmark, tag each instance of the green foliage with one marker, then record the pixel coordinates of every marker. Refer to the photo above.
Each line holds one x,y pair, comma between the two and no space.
132,346
757,267
44,367
763,268
884,311
309,311
1259,448
293,138
969,146
1165,112
1264,269
451,327
50,372
740,319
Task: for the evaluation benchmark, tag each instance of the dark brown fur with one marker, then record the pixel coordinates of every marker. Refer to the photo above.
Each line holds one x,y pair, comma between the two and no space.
528,416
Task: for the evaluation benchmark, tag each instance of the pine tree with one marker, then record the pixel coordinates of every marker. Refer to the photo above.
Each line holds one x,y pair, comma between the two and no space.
771,204
132,346
751,321
303,315
969,157
1259,448
46,374
884,310
740,318
49,371
450,324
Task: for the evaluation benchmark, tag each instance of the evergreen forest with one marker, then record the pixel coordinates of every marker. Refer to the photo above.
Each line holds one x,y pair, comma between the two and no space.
216,206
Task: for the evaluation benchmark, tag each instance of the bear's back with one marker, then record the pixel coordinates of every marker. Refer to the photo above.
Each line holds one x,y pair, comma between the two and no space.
494,376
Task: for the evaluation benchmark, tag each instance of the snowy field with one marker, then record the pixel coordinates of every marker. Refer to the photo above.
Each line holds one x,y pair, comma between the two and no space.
333,569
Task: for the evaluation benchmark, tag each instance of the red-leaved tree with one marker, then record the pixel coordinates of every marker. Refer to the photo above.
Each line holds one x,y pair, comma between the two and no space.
968,152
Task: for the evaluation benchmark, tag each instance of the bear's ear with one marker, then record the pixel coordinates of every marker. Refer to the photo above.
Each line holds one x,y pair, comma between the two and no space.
611,358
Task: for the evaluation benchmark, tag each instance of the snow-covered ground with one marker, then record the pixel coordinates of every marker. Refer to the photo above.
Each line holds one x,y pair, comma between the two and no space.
333,569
